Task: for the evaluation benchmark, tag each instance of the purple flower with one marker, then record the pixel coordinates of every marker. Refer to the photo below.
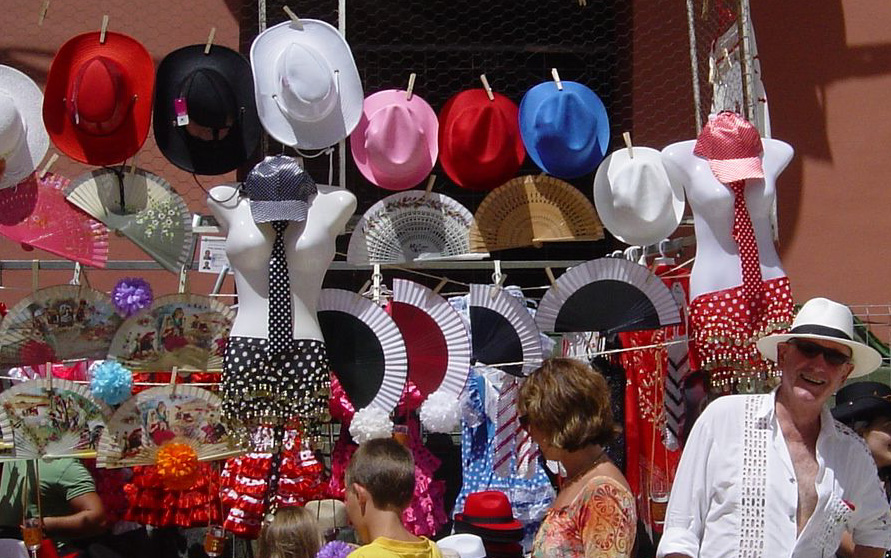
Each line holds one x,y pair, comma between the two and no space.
335,549
130,295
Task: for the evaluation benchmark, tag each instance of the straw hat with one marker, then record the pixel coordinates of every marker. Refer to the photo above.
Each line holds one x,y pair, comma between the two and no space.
309,94
23,137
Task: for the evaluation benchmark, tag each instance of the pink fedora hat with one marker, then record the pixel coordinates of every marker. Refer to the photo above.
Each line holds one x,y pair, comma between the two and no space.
396,142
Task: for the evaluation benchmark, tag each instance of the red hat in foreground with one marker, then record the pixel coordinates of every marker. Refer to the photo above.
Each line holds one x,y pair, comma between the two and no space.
489,515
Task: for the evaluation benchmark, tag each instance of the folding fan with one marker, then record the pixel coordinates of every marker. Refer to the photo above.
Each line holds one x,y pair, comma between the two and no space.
412,225
184,330
151,418
65,322
365,347
502,331
436,339
51,418
532,209
35,213
141,206
608,295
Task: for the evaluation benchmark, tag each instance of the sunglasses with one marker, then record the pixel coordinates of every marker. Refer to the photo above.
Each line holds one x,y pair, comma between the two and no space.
812,350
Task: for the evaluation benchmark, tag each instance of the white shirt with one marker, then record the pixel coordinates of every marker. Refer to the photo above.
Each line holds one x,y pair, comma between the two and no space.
736,448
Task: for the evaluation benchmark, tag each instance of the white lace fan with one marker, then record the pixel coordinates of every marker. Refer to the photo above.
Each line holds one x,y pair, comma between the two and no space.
184,330
436,338
502,331
608,295
412,225
65,322
365,347
45,418
143,207
154,417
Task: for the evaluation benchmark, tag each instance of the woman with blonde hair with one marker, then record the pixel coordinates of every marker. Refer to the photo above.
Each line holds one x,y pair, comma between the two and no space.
292,533
565,407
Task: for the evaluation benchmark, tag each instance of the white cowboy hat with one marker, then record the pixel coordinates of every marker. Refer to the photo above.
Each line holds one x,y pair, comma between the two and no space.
23,136
464,544
309,94
824,319
635,198
330,513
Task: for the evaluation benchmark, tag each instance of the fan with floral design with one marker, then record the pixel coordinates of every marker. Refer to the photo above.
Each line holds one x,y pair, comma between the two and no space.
65,322
184,330
51,418
183,419
141,206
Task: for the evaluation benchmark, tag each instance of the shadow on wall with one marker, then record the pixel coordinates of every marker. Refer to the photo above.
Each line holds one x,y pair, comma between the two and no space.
803,49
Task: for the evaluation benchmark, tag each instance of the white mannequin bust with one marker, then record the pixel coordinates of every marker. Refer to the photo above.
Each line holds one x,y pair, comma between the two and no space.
717,266
309,250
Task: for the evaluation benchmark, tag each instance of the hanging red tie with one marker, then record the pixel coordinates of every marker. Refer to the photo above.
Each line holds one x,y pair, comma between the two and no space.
744,235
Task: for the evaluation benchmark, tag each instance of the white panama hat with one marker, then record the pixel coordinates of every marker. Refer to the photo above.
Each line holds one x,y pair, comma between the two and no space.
826,320
23,136
309,94
635,198
465,545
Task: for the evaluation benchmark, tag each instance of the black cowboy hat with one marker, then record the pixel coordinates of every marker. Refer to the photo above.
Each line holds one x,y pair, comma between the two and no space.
214,91
862,401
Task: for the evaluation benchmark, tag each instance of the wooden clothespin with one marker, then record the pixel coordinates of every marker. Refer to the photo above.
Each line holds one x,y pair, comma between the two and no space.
486,86
75,279
103,30
35,275
173,378
440,285
295,21
411,86
498,279
52,161
551,278
556,77
49,375
430,182
627,137
183,280
210,36
376,279
43,9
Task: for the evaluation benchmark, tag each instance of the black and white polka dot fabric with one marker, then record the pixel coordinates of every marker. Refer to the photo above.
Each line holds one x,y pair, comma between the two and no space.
280,324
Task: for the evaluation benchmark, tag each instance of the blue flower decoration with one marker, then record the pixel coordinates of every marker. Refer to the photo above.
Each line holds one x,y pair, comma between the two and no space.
111,382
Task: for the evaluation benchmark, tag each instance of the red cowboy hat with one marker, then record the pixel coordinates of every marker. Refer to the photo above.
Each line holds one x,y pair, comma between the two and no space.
97,104
480,146
489,515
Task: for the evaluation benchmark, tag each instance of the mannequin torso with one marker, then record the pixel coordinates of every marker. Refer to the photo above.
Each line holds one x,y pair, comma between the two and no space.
717,266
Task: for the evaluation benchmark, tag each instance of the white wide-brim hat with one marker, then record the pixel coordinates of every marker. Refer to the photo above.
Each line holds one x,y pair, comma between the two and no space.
465,545
635,198
23,136
309,95
826,320
330,513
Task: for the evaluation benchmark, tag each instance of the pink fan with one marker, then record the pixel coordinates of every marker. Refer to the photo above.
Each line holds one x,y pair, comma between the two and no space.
37,214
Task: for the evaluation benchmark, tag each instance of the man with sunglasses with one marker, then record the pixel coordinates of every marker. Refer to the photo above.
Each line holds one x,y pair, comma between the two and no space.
774,474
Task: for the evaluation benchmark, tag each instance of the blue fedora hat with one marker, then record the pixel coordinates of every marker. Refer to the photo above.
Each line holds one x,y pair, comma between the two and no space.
565,132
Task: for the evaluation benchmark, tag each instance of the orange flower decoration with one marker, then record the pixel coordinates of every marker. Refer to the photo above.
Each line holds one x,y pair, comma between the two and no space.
177,466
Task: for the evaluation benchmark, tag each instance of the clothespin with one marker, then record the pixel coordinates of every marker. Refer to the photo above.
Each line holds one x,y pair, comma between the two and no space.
103,29
429,188
498,279
551,278
183,280
173,377
43,9
376,279
411,86
210,36
486,87
49,375
295,21
35,275
52,160
218,285
556,77
364,288
440,285
75,280
627,137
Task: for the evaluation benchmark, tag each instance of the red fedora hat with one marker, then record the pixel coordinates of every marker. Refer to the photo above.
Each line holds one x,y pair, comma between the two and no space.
97,104
489,515
480,146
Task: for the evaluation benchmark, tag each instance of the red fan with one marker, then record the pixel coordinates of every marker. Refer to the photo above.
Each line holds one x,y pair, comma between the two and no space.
36,214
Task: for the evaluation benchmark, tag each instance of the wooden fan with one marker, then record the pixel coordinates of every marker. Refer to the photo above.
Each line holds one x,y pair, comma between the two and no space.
529,210
157,416
141,206
51,418
65,322
184,330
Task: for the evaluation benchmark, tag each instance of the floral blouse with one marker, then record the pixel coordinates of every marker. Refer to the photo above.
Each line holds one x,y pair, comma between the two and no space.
599,522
